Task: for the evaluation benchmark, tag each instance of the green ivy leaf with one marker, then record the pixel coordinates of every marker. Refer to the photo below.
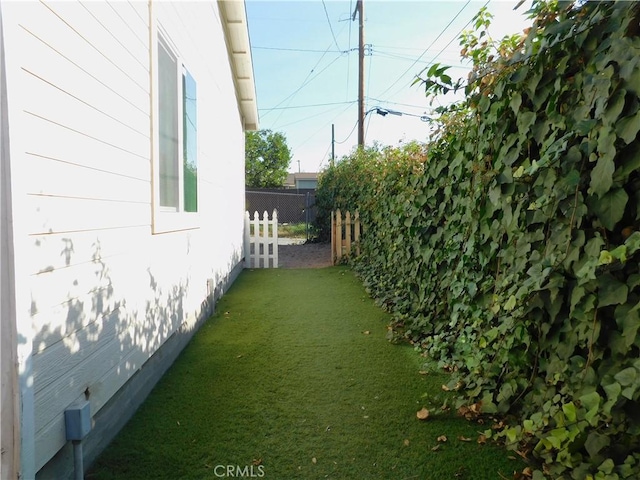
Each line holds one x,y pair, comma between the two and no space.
516,101
596,442
628,127
607,466
614,107
611,291
610,208
569,410
524,121
605,258
633,243
584,127
628,321
602,176
627,376
511,303
591,403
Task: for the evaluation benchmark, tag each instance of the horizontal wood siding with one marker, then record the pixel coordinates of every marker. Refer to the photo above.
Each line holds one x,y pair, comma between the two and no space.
106,293
86,70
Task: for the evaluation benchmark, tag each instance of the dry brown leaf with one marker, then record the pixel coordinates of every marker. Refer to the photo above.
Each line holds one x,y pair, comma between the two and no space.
442,438
436,448
257,461
406,442
464,439
497,426
527,472
366,332
423,372
422,414
445,388
314,460
482,439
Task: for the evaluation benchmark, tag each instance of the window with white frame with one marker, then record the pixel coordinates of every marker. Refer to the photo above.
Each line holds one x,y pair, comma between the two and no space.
176,143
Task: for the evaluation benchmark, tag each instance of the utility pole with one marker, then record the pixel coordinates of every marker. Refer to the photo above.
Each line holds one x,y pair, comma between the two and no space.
333,144
360,12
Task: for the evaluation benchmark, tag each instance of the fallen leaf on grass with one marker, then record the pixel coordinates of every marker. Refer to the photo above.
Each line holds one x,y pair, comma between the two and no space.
482,439
436,448
257,461
366,332
406,442
240,356
314,460
442,438
464,439
423,372
470,412
422,414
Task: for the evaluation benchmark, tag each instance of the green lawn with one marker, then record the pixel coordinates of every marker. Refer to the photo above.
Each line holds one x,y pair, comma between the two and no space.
294,378
294,230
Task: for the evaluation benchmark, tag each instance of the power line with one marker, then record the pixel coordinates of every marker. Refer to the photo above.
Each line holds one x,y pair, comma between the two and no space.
456,36
311,116
351,133
330,27
426,49
323,157
322,127
393,56
368,90
305,50
309,106
349,45
305,82
395,103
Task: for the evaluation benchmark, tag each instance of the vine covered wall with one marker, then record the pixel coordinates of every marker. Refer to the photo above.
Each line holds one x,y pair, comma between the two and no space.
508,247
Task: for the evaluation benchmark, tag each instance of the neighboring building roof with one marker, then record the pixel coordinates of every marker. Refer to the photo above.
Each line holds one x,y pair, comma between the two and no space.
293,179
234,21
306,176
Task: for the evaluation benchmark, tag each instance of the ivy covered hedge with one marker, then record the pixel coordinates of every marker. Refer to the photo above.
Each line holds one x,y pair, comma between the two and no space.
508,247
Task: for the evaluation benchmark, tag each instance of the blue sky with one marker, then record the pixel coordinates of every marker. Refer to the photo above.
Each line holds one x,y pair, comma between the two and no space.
305,63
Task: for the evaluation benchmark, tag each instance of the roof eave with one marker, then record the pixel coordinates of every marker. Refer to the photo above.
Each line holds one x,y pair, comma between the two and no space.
236,30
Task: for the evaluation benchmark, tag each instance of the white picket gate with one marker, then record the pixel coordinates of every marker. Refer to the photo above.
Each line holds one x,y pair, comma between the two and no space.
261,240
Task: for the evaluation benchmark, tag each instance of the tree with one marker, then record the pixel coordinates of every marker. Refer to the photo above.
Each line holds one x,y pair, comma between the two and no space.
267,158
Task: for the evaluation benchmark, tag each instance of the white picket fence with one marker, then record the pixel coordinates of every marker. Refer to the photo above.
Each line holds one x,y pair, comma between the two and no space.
261,240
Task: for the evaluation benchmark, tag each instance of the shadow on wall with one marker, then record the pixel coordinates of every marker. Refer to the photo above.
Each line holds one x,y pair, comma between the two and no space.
105,348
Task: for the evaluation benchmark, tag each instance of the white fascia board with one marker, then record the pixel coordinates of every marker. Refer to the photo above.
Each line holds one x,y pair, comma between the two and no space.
236,29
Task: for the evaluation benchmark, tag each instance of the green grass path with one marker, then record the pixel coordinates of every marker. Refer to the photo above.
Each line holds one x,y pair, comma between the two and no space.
294,376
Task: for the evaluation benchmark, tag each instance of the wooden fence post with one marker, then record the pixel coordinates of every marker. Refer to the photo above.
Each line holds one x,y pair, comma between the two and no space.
356,232
333,237
347,234
343,240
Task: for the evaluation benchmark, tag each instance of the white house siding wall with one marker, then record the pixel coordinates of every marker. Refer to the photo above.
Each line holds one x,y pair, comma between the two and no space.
9,424
105,293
